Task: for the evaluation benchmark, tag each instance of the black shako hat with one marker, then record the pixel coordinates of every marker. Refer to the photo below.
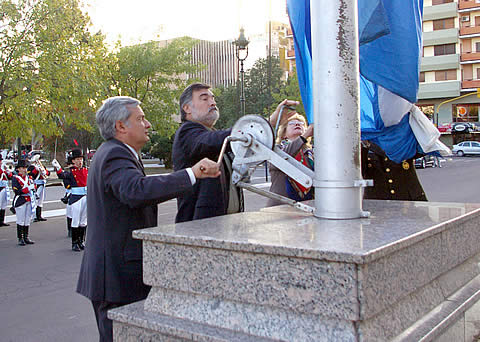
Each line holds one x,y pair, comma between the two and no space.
77,153
21,163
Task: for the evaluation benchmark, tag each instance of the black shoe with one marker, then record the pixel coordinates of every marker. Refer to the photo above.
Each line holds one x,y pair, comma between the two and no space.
76,247
25,236
39,215
81,245
2,219
21,241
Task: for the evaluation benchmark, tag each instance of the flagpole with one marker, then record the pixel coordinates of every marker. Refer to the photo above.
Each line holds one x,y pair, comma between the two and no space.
336,109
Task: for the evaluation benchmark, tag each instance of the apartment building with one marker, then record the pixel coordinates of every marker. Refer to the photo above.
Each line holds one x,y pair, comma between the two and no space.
450,65
219,61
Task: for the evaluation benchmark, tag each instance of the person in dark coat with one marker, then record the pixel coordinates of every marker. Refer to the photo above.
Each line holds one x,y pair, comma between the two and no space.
121,198
196,139
391,181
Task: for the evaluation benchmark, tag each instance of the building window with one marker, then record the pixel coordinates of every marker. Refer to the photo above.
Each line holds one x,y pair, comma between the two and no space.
445,49
421,78
439,2
443,24
446,75
465,112
427,109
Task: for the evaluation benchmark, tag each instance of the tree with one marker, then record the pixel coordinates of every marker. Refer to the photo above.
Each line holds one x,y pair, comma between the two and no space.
153,74
259,89
291,91
50,65
228,103
162,149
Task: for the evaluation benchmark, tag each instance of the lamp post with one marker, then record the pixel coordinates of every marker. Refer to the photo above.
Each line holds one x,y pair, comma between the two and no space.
241,51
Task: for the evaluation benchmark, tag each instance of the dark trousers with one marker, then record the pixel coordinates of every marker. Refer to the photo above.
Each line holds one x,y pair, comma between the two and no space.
104,324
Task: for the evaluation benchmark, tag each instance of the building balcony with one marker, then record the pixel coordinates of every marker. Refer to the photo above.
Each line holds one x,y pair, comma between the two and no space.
447,36
437,90
443,11
466,4
289,32
444,62
470,56
467,30
467,84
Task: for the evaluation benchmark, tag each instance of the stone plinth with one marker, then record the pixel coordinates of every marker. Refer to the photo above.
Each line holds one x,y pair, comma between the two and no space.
408,272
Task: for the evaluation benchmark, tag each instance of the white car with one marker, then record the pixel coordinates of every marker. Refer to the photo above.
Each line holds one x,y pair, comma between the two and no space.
466,147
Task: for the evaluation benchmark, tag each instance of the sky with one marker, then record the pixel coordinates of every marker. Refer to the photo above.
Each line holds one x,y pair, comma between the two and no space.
143,20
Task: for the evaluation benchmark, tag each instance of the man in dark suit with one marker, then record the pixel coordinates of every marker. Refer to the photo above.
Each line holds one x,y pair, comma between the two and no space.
196,139
121,199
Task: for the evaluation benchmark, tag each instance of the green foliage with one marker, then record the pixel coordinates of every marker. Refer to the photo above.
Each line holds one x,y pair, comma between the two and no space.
291,91
152,74
261,98
228,103
262,81
162,149
55,73
49,66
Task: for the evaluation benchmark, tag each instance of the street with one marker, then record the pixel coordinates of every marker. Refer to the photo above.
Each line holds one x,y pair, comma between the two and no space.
37,284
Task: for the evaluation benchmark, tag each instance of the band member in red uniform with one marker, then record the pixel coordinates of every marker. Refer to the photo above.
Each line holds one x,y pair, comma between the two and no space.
77,178
5,175
39,175
24,201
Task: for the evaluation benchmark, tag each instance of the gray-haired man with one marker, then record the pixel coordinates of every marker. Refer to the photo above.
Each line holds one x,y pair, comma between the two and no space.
121,199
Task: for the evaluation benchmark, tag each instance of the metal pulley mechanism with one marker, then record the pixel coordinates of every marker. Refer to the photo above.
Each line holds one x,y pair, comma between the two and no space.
252,142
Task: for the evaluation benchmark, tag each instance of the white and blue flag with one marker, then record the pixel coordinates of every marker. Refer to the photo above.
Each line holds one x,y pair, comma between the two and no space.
390,37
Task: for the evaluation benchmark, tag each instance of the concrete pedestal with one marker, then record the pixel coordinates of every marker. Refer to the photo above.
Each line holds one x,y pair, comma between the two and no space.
409,272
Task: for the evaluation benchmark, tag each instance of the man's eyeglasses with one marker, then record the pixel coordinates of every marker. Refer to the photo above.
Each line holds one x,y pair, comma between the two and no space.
296,122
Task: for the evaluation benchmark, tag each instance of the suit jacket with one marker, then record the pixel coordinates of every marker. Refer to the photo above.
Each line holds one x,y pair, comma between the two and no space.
120,199
391,181
209,197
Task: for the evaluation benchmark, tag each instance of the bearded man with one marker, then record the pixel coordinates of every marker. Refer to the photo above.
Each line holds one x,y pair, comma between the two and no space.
194,140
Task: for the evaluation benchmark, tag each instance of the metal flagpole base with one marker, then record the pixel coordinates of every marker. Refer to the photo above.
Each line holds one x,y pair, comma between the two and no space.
340,200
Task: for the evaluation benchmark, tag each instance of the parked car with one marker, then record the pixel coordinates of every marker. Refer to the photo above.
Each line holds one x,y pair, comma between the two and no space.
463,127
466,147
425,161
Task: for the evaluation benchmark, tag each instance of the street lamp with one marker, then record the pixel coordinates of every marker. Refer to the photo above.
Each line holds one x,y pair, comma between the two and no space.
241,51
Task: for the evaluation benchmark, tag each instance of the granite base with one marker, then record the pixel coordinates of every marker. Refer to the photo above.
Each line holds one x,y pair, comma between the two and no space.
407,273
